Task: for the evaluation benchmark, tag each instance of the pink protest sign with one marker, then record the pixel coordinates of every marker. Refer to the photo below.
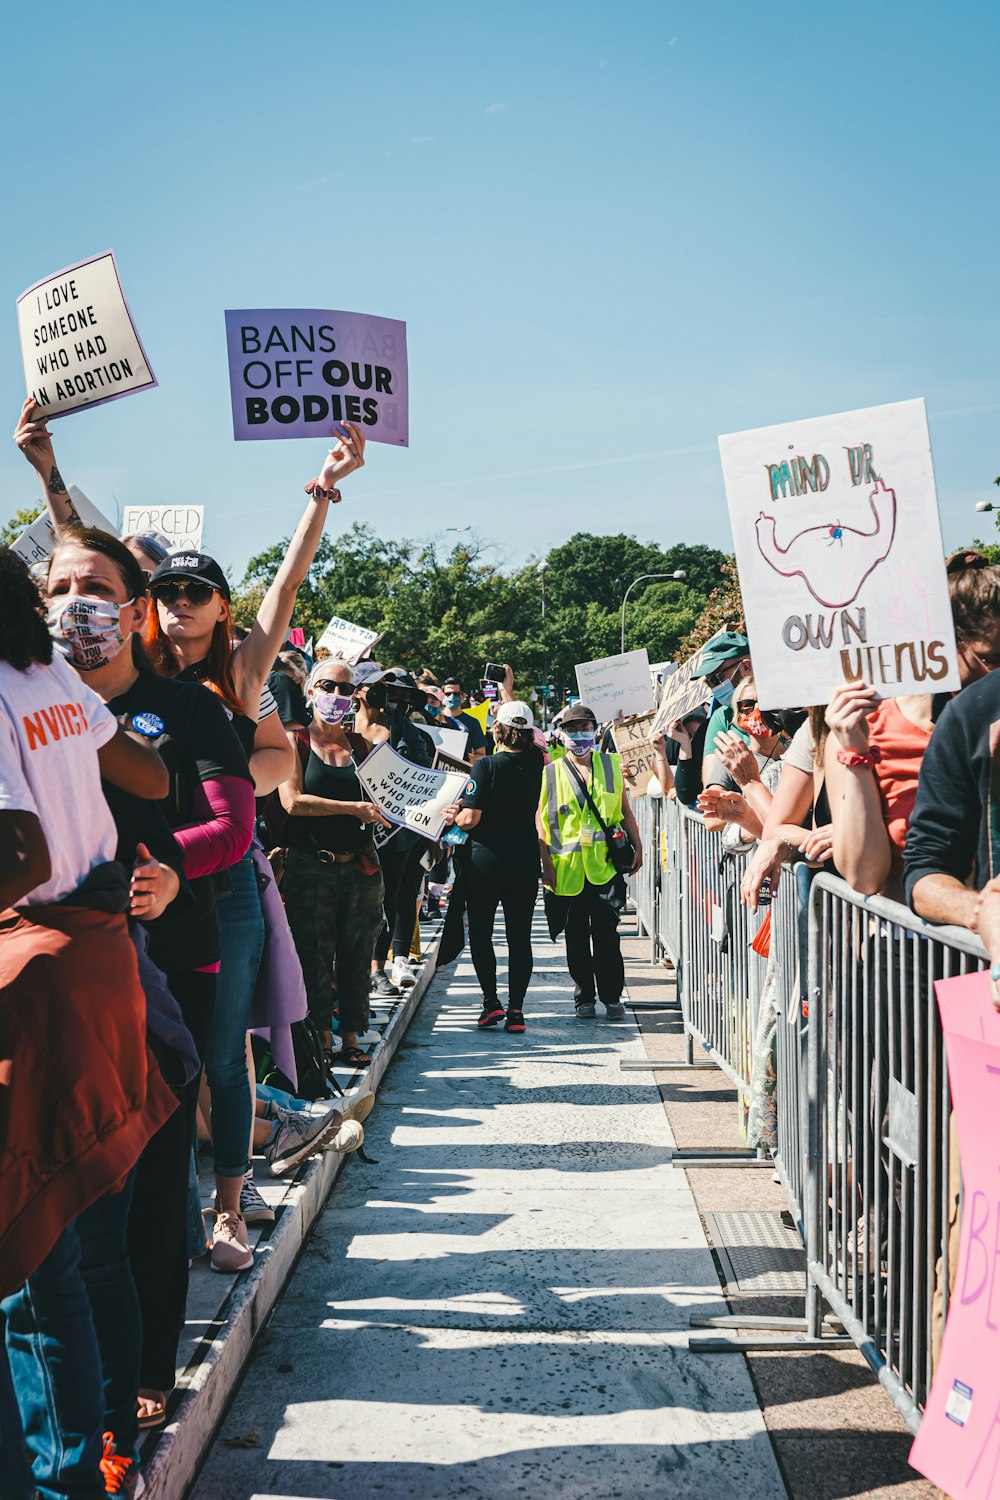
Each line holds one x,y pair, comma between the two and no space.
958,1445
294,372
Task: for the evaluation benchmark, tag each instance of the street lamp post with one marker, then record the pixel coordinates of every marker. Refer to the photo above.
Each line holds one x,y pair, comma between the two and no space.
679,576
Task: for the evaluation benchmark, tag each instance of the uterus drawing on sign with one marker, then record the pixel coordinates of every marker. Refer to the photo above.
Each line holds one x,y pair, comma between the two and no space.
833,560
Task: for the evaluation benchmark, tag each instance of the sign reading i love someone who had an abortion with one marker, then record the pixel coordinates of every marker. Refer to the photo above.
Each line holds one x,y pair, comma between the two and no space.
838,545
293,373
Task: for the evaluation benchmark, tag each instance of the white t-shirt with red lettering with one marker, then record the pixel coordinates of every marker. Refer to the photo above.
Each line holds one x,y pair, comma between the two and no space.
51,727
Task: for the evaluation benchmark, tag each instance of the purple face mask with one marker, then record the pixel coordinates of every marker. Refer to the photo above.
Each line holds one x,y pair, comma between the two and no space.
331,707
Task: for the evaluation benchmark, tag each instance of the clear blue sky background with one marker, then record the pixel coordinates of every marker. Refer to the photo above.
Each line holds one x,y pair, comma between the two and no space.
614,233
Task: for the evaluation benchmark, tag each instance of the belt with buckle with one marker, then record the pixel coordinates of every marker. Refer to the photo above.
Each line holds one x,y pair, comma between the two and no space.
327,857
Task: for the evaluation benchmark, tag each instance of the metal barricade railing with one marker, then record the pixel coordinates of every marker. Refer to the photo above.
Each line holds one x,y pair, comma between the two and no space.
644,887
723,976
863,1146
882,1183
789,914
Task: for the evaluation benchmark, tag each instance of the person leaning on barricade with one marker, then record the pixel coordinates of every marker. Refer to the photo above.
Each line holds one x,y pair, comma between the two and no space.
877,745
82,1094
588,843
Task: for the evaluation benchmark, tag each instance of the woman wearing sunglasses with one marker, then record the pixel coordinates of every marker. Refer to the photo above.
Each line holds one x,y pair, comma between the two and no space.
333,882
189,633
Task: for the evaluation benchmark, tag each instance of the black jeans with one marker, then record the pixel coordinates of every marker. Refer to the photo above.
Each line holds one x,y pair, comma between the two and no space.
593,947
158,1221
490,883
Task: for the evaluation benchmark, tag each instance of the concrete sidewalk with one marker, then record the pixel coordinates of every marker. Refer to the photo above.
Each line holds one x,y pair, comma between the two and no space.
500,1306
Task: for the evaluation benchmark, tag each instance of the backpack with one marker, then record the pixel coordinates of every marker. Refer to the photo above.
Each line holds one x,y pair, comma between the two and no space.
314,1082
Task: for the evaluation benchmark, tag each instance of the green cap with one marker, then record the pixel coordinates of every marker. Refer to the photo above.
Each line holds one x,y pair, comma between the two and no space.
720,649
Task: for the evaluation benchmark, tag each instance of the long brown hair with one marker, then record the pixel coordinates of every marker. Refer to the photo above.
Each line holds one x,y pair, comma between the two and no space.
974,586
218,663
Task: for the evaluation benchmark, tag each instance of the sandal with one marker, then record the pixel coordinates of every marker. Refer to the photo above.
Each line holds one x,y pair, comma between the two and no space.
156,1414
352,1057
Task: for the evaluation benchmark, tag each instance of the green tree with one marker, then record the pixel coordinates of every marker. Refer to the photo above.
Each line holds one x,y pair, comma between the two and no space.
19,521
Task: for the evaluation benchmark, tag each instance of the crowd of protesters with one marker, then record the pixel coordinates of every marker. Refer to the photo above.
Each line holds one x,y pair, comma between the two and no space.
202,904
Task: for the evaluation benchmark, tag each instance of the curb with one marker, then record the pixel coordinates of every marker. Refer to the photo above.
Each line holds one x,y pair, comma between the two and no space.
211,1378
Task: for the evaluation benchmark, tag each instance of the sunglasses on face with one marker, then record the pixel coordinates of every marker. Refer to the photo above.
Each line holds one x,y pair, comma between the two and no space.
193,592
343,689
746,705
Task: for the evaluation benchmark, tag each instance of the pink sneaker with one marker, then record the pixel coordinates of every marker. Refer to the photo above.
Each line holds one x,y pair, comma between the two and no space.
230,1247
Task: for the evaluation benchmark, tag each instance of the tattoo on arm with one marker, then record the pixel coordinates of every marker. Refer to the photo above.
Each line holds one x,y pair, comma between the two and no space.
56,486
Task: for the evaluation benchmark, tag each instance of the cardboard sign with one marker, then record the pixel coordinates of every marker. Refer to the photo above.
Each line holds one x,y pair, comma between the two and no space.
294,372
445,762
78,341
958,1445
452,742
351,642
181,526
412,796
616,685
841,565
633,742
683,694
38,542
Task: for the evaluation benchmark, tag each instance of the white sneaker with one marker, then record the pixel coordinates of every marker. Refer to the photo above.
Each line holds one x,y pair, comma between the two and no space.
402,974
298,1137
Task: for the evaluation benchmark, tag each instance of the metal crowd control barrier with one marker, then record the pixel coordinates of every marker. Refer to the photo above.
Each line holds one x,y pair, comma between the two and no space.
864,1149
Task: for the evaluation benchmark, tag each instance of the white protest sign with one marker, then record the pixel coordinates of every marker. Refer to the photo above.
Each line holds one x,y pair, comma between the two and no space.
633,741
452,742
838,545
78,341
412,796
616,684
351,642
38,541
181,526
683,694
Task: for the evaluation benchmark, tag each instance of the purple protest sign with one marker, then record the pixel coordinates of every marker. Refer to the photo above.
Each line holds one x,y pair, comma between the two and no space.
294,372
79,344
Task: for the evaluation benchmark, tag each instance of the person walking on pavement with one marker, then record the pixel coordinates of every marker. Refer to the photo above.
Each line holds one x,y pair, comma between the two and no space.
497,810
585,824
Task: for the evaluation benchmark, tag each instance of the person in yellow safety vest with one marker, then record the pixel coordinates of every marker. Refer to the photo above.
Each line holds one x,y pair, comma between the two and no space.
575,861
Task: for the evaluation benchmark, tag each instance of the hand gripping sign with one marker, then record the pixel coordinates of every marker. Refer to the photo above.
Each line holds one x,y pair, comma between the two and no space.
412,796
78,341
294,372
839,550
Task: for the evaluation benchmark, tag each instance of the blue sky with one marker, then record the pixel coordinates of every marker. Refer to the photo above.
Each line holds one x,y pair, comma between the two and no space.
613,232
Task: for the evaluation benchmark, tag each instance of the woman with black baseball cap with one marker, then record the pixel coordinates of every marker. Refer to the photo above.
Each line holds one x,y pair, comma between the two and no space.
189,634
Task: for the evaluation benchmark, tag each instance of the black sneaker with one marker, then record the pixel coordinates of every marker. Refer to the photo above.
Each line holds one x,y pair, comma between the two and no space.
492,1015
383,986
514,1021
616,1010
586,1008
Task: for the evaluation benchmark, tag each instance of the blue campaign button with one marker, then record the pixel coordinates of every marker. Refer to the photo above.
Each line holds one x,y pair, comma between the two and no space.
148,724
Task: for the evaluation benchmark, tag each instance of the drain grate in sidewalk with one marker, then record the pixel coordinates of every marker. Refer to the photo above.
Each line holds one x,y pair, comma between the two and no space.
758,1252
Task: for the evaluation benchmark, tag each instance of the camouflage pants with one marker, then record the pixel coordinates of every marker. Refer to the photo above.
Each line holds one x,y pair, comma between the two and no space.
335,915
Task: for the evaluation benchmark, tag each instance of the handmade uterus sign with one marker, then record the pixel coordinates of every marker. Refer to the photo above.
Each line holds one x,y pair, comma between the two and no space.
832,559
838,545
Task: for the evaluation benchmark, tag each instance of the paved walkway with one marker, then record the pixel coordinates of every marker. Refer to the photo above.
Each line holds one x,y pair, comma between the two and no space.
500,1306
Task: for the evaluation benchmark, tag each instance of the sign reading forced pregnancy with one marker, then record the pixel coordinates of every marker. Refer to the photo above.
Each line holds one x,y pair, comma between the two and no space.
412,796
838,544
292,373
78,341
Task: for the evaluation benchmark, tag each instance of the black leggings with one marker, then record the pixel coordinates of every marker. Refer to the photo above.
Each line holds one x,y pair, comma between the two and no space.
401,873
490,883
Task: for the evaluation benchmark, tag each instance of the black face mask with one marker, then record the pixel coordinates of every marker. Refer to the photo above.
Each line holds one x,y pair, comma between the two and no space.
784,720
399,701
377,697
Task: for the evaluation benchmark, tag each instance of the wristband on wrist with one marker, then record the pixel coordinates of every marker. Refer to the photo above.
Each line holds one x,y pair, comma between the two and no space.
867,758
316,490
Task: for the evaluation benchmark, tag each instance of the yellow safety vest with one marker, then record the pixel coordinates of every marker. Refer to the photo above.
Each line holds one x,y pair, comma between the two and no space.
578,844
